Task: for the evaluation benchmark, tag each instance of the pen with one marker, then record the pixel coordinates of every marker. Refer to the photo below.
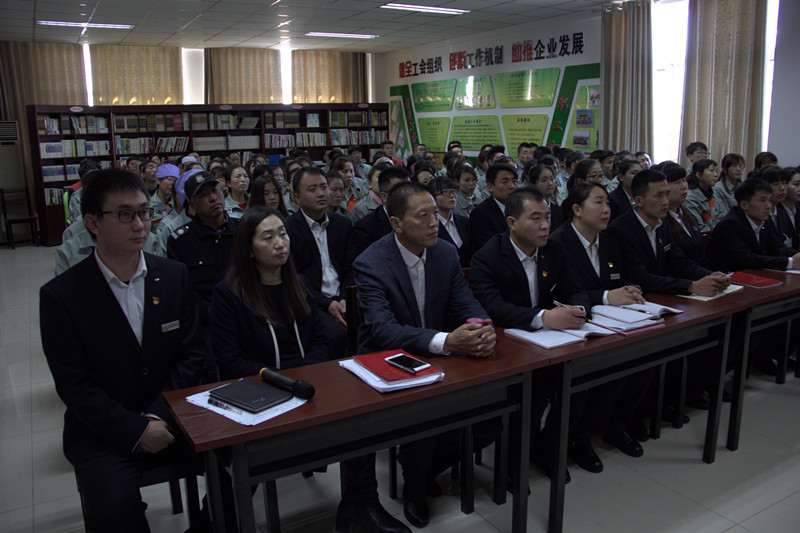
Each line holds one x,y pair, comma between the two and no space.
223,405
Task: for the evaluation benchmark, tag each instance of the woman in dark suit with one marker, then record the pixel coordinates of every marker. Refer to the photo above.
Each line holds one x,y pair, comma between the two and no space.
263,313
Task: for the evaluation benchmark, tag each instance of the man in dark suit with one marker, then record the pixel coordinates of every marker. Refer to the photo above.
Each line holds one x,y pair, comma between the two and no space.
655,263
113,354
518,276
746,237
375,224
489,217
323,249
452,228
412,295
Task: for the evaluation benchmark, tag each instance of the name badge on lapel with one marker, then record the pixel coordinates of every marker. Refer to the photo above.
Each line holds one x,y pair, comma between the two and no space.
614,276
667,247
170,326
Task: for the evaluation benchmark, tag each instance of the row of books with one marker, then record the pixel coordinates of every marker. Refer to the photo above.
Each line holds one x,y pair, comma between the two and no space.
71,124
222,121
283,119
74,148
53,196
138,145
345,137
152,122
358,118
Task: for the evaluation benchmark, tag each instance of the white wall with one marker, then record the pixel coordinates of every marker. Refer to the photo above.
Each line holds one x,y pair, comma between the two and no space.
785,115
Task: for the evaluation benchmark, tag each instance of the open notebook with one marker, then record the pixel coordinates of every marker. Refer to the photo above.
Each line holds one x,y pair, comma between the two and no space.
552,338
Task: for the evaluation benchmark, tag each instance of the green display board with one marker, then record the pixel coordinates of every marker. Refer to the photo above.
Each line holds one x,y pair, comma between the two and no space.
527,88
475,131
433,132
433,95
475,92
520,129
584,122
564,103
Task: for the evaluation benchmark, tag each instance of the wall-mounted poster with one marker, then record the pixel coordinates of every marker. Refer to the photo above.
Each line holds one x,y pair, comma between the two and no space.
475,92
433,131
527,88
433,95
520,129
476,130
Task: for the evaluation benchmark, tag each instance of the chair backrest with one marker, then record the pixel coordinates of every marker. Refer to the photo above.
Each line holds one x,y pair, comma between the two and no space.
15,195
352,316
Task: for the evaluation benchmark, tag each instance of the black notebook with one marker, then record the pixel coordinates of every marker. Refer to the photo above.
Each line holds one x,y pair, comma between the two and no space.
249,395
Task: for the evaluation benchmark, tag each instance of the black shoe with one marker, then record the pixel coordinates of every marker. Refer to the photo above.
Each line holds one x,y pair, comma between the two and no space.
370,517
700,400
416,513
582,453
434,489
510,484
638,431
547,467
669,414
769,367
624,443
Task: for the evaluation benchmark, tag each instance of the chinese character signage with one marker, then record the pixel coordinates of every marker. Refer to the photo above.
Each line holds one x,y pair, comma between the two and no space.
433,95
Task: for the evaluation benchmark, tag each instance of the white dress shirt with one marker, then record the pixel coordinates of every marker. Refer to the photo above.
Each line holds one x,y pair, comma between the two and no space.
679,220
130,295
452,230
416,272
651,232
529,265
593,251
330,279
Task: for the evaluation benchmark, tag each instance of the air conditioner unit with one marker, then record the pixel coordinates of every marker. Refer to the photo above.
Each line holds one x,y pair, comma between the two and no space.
11,175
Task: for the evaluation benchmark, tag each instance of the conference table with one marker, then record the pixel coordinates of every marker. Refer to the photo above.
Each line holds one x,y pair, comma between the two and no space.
347,419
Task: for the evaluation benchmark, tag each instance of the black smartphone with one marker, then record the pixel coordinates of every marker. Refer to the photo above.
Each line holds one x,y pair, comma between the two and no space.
407,363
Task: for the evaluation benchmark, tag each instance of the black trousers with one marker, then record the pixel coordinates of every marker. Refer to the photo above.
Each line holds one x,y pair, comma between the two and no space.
336,334
109,484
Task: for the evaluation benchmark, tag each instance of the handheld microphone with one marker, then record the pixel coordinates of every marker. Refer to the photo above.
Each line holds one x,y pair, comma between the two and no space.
301,389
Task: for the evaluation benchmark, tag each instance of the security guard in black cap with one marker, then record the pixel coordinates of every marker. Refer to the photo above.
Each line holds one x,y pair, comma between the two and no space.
204,245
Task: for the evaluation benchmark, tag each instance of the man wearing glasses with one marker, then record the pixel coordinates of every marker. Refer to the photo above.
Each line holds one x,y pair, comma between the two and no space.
452,228
117,329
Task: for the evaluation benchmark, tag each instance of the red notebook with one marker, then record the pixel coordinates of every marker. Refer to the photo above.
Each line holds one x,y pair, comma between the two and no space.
375,363
751,280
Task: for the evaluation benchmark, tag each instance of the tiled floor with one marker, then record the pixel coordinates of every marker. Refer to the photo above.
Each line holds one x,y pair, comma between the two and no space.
756,489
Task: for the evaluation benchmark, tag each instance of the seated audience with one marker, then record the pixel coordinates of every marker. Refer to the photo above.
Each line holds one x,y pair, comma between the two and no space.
700,201
452,228
489,217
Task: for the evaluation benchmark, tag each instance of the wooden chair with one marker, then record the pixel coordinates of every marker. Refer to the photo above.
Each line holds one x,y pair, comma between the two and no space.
8,195
171,475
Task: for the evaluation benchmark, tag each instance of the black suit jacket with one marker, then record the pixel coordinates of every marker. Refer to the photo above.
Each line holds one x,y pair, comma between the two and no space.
788,228
733,245
105,378
612,263
485,220
307,261
501,286
618,201
691,244
462,226
556,217
667,271
370,228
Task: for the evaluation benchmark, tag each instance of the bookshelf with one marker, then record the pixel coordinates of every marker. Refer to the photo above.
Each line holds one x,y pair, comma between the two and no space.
60,136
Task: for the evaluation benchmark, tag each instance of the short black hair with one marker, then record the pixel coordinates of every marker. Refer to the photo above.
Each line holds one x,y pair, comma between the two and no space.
439,184
397,201
601,154
386,141
749,187
497,149
354,148
453,144
673,171
772,174
523,145
695,146
643,179
495,169
515,201
298,174
386,176
108,181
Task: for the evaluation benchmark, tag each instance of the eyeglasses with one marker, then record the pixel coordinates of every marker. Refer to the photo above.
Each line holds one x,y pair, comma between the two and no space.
447,192
126,215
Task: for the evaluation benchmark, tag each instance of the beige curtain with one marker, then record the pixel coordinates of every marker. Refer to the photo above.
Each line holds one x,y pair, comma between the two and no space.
320,76
243,76
38,73
137,75
626,70
723,91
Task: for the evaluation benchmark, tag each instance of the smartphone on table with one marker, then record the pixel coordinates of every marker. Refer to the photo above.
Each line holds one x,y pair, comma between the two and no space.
406,363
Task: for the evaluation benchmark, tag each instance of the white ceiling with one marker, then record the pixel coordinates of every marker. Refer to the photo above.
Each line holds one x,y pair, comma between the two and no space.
254,23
